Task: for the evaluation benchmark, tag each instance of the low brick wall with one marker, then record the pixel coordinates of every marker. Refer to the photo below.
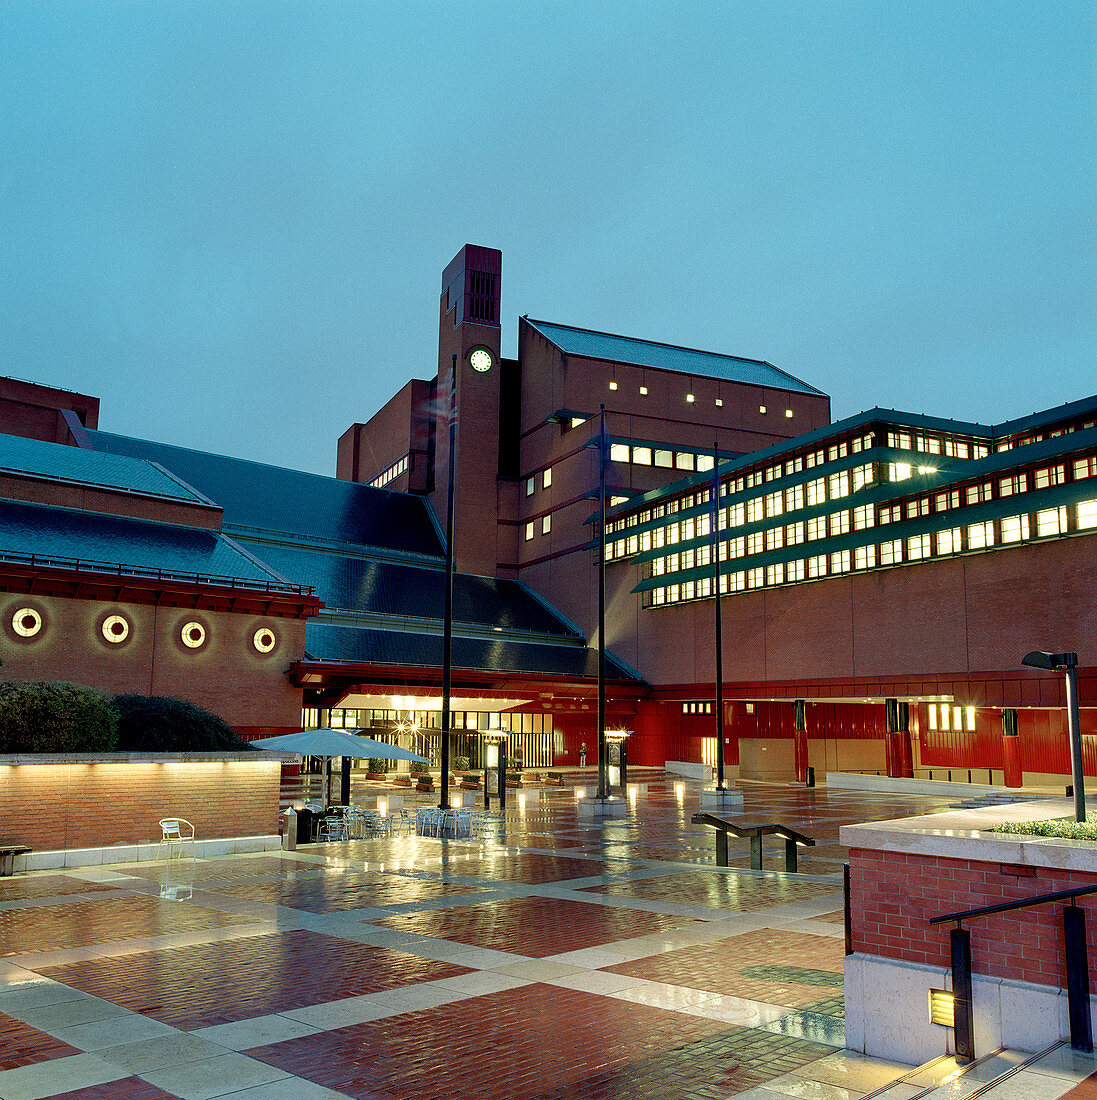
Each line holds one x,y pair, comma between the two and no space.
893,895
52,802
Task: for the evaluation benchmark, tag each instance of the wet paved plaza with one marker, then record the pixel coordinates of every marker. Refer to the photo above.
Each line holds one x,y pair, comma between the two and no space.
547,959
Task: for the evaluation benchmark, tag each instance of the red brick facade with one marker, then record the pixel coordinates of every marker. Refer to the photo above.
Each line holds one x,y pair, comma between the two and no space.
94,805
894,895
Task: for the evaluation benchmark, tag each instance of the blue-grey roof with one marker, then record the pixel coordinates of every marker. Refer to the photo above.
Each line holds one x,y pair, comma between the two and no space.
271,498
645,353
63,536
392,588
55,460
363,646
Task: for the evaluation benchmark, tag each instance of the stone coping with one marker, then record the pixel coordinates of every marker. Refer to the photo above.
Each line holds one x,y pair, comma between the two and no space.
965,834
263,755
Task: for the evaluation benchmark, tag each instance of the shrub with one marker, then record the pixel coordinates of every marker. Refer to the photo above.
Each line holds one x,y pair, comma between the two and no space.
377,765
38,717
460,763
153,723
1065,828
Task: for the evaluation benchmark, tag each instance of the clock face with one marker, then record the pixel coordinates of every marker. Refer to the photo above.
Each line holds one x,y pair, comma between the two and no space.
481,360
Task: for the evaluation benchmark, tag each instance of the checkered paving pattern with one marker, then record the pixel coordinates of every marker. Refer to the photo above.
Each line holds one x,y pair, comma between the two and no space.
217,983
499,1047
716,889
129,1088
21,1045
733,966
226,870
529,869
338,893
535,927
49,886
82,923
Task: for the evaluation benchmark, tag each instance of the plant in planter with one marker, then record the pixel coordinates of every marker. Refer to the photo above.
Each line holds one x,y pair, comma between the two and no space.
514,779
376,768
460,763
554,778
402,779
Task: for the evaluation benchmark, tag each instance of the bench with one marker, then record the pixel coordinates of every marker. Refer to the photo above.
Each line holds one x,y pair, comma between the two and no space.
755,832
8,852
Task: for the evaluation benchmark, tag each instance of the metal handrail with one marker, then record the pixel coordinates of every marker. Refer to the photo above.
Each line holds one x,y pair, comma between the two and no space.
1005,907
119,569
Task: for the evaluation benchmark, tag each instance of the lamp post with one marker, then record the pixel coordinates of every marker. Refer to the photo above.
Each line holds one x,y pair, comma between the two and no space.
1067,663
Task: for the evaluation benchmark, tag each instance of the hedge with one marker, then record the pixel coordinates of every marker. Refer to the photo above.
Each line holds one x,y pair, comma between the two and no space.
56,717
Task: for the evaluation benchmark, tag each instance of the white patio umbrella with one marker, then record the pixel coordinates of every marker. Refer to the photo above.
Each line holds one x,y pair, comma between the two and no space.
329,743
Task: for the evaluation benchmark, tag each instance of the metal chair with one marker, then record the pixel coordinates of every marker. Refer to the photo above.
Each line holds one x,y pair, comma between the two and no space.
176,831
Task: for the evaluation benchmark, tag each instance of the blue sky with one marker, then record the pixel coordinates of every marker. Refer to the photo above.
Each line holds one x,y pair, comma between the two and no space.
228,219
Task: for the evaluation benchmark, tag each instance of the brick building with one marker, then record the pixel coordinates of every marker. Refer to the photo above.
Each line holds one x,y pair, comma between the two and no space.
880,577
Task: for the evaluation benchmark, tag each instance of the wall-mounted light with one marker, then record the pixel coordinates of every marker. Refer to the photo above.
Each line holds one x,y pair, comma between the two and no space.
942,1007
761,408
26,622
193,635
115,629
264,640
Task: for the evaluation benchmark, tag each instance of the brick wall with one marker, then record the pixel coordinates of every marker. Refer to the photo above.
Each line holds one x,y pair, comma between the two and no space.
893,896
57,806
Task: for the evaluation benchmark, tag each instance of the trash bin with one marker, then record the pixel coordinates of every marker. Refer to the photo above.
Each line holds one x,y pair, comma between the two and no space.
811,777
289,829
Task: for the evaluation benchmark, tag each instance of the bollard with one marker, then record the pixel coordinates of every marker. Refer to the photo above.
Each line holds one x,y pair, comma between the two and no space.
289,830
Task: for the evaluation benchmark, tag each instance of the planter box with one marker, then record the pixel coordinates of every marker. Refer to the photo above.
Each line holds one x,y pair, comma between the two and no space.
554,780
376,775
402,780
424,786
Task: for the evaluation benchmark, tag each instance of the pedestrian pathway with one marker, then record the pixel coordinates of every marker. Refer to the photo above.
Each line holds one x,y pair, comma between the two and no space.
548,960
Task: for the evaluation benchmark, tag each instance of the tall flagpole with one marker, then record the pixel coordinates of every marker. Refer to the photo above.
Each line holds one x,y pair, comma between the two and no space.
447,635
719,622
602,788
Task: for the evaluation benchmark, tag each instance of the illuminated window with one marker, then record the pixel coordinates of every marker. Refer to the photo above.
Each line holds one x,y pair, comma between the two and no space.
864,557
1052,521
817,528
788,414
1014,528
664,460
690,398
817,566
949,542
863,517
704,462
980,535
529,531
891,553
1085,467
618,452
1052,475
794,570
613,385
775,574
684,460
531,484
1087,513
974,494
546,524
719,402
839,562
839,522
918,547
761,408
546,478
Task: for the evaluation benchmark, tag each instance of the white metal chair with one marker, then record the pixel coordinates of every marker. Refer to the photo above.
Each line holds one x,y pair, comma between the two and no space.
175,832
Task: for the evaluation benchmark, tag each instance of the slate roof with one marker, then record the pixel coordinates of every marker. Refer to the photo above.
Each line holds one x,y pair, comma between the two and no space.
66,535
646,353
256,495
55,460
341,643
392,588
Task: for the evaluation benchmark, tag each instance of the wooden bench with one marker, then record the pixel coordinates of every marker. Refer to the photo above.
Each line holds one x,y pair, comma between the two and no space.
755,832
8,852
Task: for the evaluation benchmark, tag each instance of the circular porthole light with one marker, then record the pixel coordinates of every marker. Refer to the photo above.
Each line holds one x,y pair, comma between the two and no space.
115,629
193,635
263,639
26,622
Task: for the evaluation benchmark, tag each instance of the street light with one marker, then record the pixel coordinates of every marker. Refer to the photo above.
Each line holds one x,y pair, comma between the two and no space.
1067,663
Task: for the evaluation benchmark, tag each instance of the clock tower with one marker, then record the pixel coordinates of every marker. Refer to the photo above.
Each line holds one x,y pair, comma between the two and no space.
468,327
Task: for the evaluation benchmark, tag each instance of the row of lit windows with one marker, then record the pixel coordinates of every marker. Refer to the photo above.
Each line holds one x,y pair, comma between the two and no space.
393,472
410,721
531,527
1048,523
28,622
546,481
691,398
934,444
835,487
659,457
945,717
696,708
1036,437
